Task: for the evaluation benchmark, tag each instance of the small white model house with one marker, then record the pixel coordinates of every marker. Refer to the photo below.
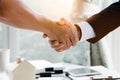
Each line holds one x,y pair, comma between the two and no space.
23,71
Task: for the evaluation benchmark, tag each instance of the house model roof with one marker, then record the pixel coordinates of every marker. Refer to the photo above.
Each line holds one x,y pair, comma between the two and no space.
24,63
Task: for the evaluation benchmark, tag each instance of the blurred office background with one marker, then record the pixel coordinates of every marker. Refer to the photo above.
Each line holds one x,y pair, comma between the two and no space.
30,44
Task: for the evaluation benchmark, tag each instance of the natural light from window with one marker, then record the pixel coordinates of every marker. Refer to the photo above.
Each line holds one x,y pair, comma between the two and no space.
32,45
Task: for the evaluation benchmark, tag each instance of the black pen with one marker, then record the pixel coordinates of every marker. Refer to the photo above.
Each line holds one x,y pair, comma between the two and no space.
40,75
68,75
49,69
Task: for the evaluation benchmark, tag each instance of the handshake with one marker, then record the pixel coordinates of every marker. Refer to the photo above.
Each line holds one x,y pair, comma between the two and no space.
62,34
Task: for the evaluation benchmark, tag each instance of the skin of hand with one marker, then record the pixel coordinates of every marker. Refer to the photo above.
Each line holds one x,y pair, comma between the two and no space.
59,46
17,14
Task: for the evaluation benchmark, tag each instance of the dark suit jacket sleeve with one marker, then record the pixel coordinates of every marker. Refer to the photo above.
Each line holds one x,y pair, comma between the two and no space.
105,21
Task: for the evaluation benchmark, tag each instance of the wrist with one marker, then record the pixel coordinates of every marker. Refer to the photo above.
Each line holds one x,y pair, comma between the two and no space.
48,27
43,23
78,31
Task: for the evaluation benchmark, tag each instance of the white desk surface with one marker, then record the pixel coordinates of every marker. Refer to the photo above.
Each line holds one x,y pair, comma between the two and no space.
104,71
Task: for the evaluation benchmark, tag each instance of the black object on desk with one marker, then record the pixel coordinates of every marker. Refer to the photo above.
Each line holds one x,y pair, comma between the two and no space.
68,75
50,72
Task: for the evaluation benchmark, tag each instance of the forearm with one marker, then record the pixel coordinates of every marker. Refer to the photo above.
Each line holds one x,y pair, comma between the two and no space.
105,21
15,13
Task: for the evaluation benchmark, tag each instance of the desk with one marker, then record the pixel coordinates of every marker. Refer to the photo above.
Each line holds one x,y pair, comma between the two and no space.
40,64
104,71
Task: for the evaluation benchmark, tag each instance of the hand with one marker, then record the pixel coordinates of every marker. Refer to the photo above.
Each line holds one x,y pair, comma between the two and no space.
71,41
59,46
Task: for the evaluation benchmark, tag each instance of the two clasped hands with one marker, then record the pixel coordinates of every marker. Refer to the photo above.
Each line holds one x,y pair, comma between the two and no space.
63,35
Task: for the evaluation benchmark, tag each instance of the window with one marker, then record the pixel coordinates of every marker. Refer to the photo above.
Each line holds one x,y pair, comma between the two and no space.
31,45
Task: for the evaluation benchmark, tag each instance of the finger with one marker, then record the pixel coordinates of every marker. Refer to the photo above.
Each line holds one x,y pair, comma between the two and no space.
68,32
64,42
64,45
72,39
44,36
68,42
61,46
66,38
71,33
53,42
73,36
59,50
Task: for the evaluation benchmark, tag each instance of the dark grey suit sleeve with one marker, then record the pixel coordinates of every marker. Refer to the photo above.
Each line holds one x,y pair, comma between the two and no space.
105,21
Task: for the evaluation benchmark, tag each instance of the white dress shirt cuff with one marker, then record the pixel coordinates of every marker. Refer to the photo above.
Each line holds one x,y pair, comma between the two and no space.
87,31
